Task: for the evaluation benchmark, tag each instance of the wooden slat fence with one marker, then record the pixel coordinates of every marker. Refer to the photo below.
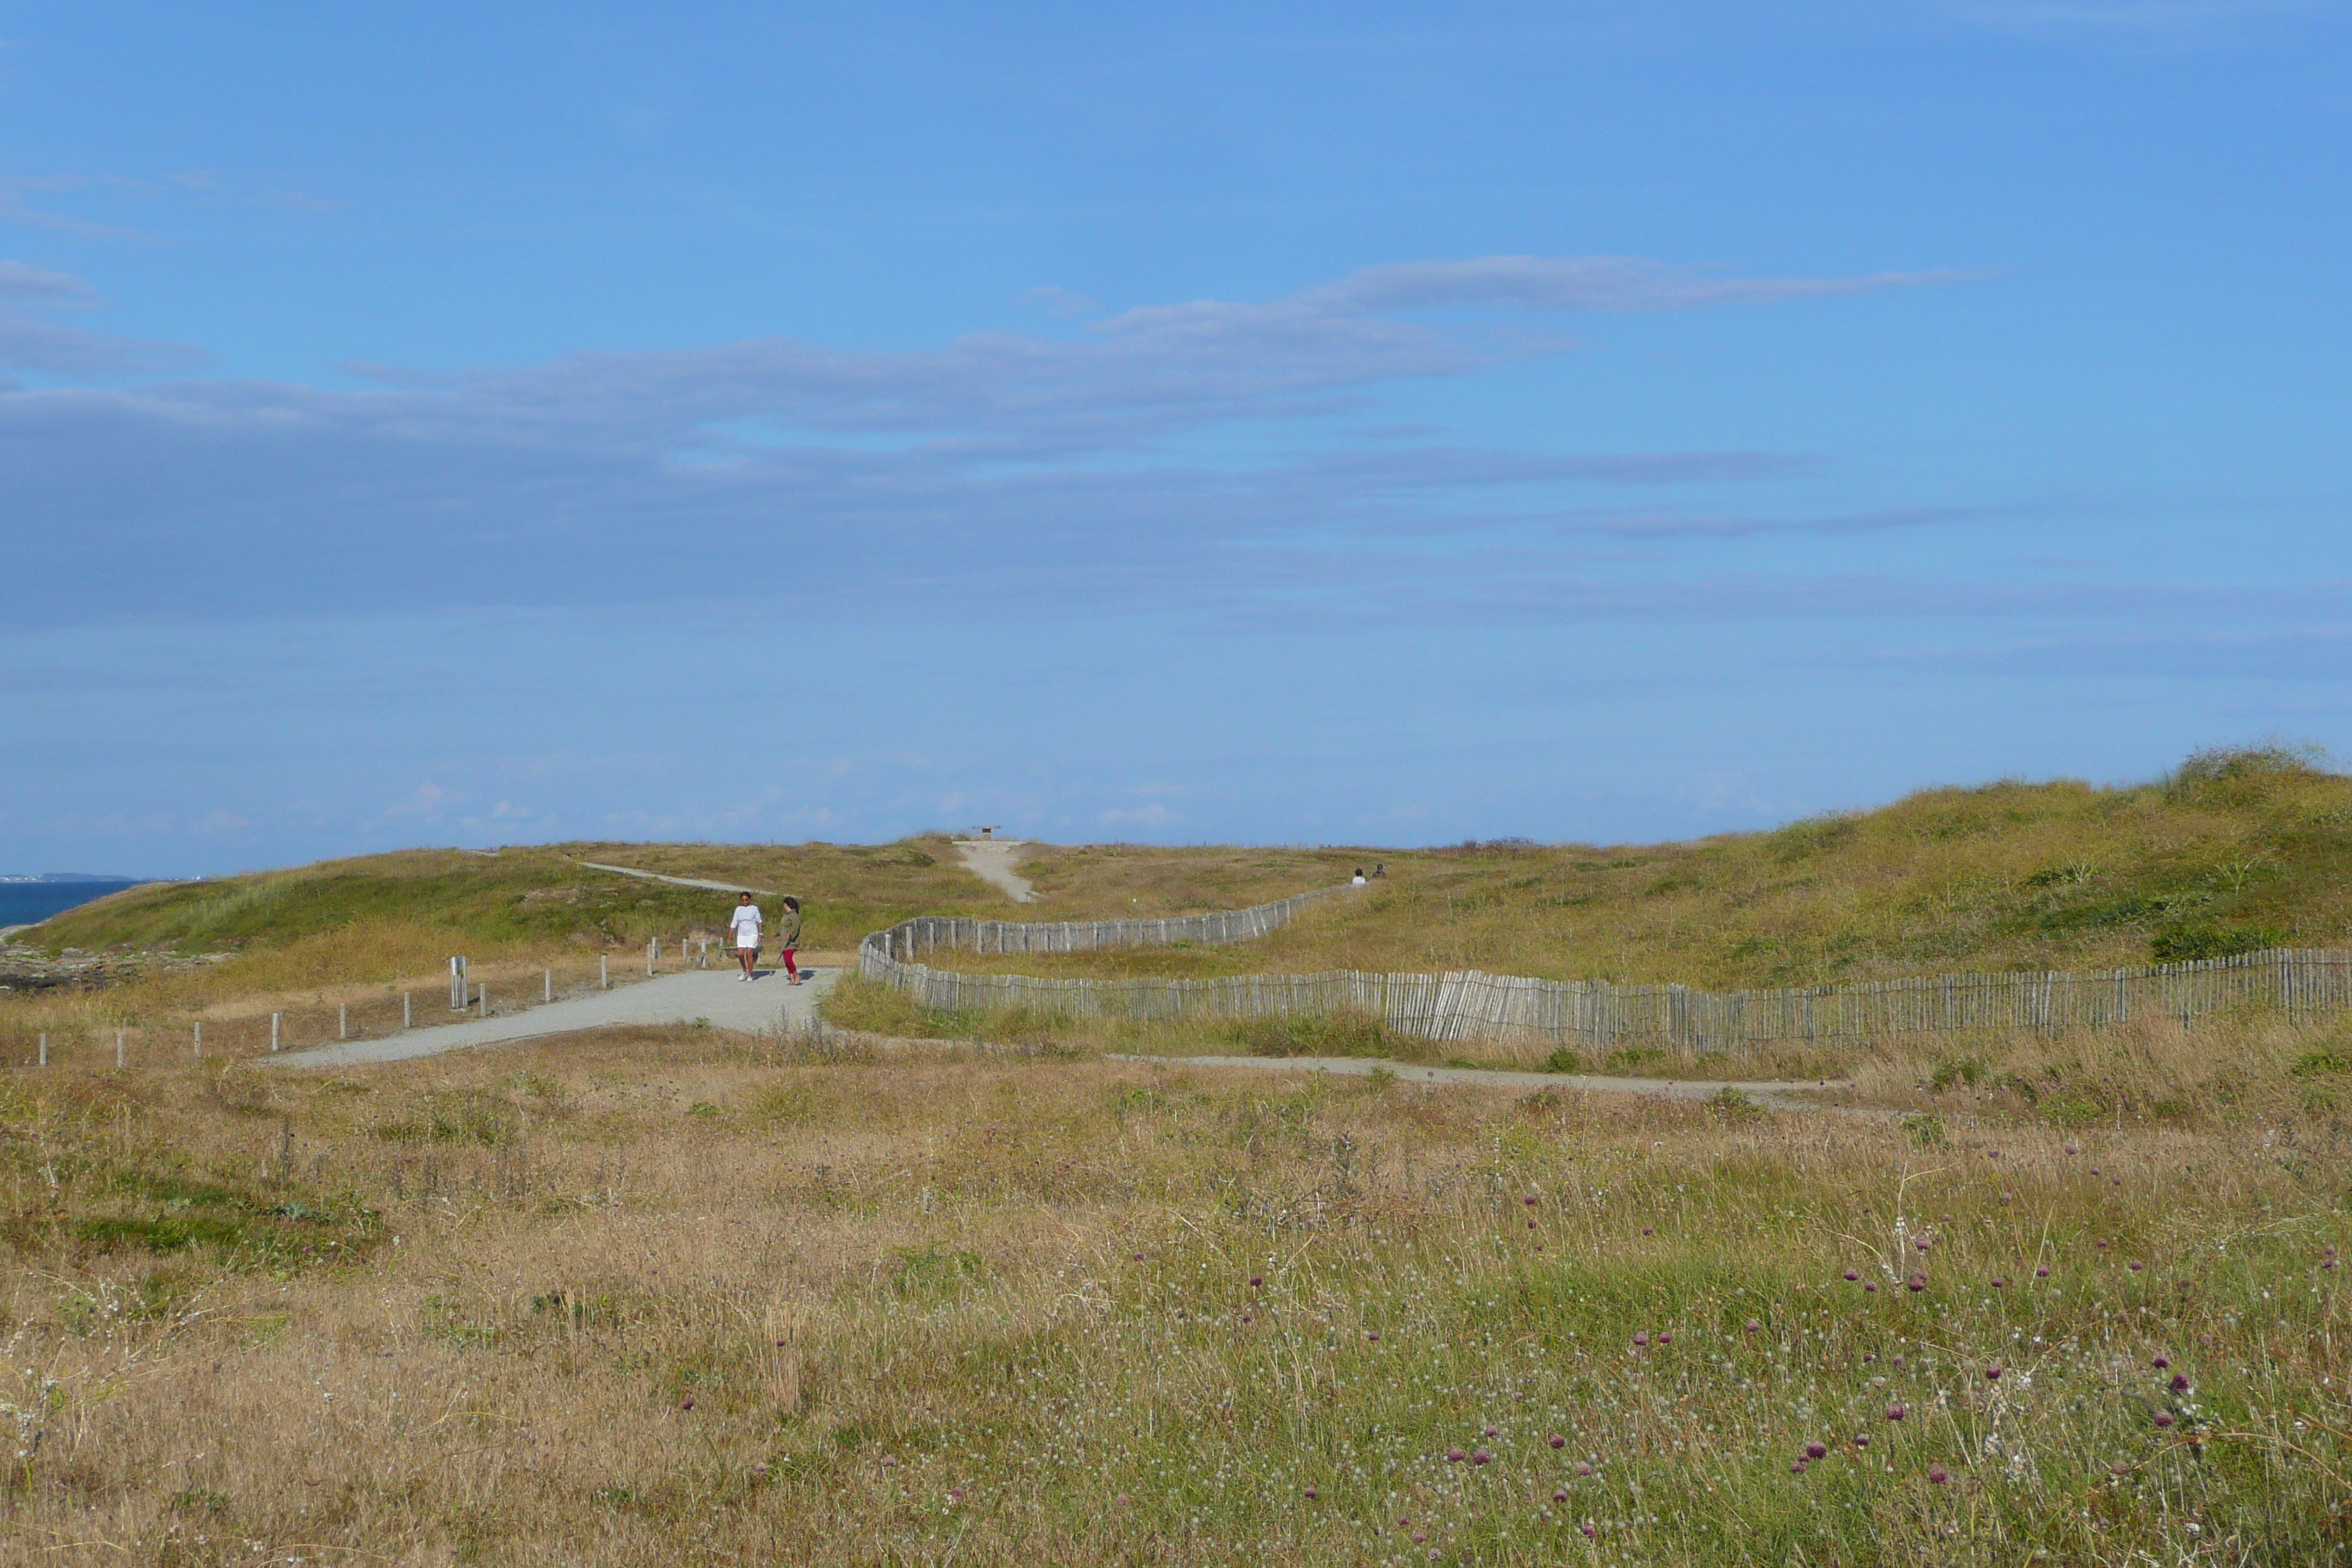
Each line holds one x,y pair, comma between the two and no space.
1469,1004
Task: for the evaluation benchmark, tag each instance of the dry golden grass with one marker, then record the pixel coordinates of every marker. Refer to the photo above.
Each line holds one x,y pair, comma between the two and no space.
658,1297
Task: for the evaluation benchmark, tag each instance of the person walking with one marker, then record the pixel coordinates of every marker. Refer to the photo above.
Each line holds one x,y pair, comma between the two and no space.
744,927
788,938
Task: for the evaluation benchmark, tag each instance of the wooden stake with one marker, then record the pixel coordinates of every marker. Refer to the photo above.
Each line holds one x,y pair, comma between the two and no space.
118,1047
273,1031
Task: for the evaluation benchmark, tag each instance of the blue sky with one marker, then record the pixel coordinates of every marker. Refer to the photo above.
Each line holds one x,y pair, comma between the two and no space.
1358,423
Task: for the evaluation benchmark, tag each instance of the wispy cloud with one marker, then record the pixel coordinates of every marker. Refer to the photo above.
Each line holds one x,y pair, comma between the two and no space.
996,469
30,344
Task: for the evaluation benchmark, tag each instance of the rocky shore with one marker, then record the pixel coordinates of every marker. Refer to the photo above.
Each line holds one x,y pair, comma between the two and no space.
77,969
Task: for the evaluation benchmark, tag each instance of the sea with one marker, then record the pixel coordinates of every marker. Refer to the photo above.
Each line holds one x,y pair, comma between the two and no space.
23,903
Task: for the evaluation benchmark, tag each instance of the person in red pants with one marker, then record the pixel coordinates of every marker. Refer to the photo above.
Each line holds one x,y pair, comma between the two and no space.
788,937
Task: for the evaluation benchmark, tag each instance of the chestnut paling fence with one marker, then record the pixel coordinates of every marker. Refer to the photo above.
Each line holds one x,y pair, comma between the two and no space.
1470,1004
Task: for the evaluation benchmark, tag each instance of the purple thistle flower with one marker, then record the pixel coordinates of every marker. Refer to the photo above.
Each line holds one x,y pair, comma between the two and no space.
1455,1456
1896,1413
1797,1467
1531,1200
1993,1372
2041,1272
1532,1225
1861,1440
2164,1417
1490,1432
1560,1494
1666,1337
1937,1475
1640,1339
1312,1494
2161,1362
2180,1382
1998,1282
1372,1334
1557,1441
2134,1266
1917,1282
1853,1273
1583,1468
1921,1244
1871,1286
1817,1451
1139,1258
1256,1281
1752,1325
1481,1457
1589,1531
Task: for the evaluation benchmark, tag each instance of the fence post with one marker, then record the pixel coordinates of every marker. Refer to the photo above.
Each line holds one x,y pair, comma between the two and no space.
45,1049
485,994
457,986
653,952
344,1021
407,1016
603,972
548,986
118,1047
200,1037
273,1031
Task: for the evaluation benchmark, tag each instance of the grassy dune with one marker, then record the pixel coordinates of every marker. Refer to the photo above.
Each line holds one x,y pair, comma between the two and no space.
657,1297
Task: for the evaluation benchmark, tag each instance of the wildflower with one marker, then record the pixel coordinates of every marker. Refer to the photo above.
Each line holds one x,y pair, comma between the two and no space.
1589,1531
1922,1244
955,1494
2180,1382
1583,1468
1481,1457
1817,1451
1560,1494
1532,1225
1998,1282
1312,1494
2164,1419
2073,1149
1871,1286
2135,1265
1854,1274
1937,1475
686,1404
1896,1413
1557,1441
1531,1200
889,1463
1666,1337
1490,1432
1917,1282
1373,1333
1248,1318
2041,1272
1640,1340
1256,1281
1862,1440
1753,1325
2162,1362
1139,1258
1993,1372
1455,1456
1797,1467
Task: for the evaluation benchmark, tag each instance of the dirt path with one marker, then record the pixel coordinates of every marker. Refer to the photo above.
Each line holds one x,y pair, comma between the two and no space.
993,861
1778,1096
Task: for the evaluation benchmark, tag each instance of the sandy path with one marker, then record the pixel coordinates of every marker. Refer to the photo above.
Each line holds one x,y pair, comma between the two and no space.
993,861
712,995
677,881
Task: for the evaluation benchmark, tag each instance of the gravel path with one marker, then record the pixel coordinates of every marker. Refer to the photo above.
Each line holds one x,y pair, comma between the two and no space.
715,995
993,861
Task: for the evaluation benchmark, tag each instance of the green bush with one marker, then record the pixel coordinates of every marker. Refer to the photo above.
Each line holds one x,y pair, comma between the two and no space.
1564,1061
2209,939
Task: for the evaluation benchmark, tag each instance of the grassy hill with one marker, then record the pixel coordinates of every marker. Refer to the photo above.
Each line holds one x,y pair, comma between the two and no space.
2237,849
